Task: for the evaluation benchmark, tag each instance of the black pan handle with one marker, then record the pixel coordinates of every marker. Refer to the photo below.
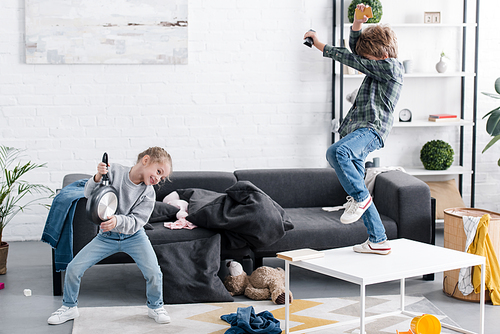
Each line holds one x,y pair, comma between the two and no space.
105,178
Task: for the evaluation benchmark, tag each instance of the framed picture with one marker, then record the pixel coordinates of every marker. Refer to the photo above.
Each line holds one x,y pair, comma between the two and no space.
432,17
106,32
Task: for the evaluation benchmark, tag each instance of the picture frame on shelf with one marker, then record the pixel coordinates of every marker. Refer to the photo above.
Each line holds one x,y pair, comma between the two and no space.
432,17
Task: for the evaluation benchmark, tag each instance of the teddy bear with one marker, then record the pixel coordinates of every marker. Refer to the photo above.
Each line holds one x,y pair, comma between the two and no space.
264,283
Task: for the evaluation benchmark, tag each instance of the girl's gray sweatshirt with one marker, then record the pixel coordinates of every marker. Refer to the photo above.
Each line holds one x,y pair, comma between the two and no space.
135,201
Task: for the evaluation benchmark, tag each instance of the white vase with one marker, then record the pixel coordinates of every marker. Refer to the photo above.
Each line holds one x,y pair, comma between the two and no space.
441,66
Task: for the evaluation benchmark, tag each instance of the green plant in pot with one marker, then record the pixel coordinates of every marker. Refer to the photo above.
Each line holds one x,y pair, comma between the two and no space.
436,155
493,123
376,6
14,191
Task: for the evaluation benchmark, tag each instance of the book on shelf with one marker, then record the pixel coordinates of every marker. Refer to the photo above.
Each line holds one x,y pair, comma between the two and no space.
431,119
440,116
300,254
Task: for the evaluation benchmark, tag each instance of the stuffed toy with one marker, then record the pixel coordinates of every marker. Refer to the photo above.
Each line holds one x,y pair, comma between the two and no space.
264,283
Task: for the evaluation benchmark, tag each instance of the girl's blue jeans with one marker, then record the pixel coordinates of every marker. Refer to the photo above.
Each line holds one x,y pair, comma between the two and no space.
105,244
347,157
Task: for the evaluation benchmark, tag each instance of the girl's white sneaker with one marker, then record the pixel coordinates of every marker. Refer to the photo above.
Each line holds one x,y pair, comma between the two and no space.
63,314
160,315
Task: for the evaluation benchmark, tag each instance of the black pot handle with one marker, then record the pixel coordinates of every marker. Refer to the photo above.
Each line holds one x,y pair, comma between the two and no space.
105,177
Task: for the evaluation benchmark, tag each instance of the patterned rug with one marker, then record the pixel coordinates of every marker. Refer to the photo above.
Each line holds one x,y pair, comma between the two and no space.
306,315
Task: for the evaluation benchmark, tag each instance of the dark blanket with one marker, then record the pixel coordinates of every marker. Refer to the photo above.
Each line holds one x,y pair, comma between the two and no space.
244,214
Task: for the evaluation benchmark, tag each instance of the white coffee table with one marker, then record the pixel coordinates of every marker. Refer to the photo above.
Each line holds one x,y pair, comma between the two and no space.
407,259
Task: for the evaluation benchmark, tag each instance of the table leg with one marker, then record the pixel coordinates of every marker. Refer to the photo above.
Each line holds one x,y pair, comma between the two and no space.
403,292
481,311
287,297
362,309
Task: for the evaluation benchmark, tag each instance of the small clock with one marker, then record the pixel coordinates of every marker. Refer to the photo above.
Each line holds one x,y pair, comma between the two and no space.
405,115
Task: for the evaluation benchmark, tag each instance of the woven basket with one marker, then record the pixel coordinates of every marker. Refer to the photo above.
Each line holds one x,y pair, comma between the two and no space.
454,238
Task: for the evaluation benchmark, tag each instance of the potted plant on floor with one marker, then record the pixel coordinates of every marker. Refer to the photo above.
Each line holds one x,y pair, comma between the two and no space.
14,191
493,123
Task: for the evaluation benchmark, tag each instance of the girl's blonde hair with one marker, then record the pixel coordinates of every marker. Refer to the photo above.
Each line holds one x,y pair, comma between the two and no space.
157,154
376,41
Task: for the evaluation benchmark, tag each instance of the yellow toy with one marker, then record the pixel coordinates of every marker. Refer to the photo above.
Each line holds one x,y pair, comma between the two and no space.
424,324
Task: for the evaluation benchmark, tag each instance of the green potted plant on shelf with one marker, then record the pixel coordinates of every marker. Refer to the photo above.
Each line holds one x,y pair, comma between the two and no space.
493,123
13,192
436,155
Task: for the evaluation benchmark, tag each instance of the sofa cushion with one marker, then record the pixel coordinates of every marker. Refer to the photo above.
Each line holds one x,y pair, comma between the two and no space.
318,229
447,196
215,181
190,271
162,235
163,212
297,187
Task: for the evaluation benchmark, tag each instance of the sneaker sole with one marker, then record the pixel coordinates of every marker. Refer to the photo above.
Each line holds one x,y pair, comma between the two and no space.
371,251
347,222
61,321
164,322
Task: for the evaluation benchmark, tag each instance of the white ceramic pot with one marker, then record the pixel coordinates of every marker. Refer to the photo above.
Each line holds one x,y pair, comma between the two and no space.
441,66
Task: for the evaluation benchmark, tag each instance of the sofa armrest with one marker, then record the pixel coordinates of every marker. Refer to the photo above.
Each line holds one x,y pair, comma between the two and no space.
406,200
84,230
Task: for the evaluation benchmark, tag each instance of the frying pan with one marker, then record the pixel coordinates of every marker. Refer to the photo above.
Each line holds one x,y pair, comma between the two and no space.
103,201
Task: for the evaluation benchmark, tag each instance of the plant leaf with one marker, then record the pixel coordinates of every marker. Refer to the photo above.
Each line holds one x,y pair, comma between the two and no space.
492,141
493,124
495,96
491,112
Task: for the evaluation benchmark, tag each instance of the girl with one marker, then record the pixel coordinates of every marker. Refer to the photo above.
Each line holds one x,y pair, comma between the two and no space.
123,232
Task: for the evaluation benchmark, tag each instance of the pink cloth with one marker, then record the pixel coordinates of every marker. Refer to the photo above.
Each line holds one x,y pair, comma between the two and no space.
179,224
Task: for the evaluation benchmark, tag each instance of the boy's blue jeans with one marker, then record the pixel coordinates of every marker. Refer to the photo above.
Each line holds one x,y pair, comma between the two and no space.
105,244
347,157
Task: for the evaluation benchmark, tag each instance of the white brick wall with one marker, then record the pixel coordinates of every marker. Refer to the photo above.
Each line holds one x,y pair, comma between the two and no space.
252,96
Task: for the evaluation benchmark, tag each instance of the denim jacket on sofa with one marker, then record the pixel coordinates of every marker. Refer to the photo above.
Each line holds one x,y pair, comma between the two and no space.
58,231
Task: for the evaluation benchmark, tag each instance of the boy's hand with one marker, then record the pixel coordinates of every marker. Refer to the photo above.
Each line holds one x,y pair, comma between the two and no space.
108,225
358,23
315,39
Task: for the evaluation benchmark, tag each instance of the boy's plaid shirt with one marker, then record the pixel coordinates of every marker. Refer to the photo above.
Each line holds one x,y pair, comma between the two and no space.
378,94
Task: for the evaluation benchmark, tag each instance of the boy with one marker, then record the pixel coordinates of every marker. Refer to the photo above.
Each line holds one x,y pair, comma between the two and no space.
368,122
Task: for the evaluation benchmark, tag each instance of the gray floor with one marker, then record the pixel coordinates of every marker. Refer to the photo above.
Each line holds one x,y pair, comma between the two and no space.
120,285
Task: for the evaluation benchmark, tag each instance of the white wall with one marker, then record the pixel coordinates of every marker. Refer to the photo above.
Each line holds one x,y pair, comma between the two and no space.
252,96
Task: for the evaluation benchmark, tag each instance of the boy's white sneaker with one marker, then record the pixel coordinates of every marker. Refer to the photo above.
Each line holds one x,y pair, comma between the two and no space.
382,248
63,314
354,210
160,315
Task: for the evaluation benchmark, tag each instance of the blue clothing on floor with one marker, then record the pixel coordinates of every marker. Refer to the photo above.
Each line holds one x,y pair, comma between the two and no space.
246,321
58,231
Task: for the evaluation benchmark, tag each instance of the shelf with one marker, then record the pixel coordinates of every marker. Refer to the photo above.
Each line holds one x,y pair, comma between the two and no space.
419,25
420,75
421,171
425,124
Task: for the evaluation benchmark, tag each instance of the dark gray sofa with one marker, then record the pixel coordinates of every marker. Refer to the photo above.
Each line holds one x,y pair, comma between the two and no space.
403,201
